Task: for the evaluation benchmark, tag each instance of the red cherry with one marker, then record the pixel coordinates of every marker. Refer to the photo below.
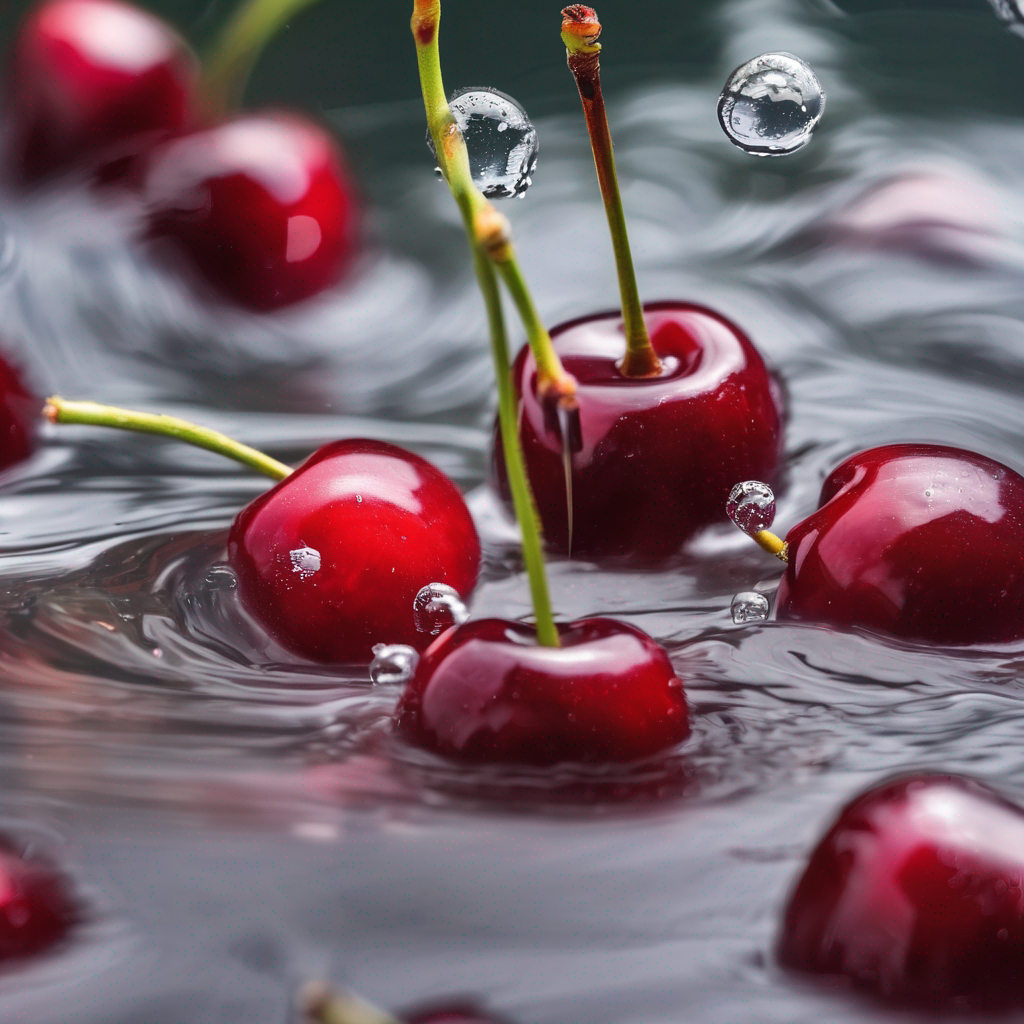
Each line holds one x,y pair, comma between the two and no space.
659,455
920,541
461,1013
19,414
260,204
36,908
487,692
916,895
92,79
330,559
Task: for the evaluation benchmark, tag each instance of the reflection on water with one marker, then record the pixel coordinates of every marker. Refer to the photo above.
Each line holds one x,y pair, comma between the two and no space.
239,821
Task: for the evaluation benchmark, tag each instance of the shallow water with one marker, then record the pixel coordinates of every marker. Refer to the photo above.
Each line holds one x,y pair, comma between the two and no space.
238,822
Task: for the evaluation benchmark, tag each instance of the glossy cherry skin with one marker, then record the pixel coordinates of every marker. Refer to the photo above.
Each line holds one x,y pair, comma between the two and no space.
660,455
19,415
260,205
36,907
94,80
330,559
486,692
916,894
919,541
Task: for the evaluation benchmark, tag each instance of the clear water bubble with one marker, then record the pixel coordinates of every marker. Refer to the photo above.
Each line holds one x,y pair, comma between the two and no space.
393,664
771,105
500,138
438,606
749,606
751,506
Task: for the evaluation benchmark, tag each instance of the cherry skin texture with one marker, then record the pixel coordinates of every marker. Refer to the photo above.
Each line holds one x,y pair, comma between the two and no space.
36,909
659,455
260,205
487,693
919,541
19,414
94,79
330,559
916,894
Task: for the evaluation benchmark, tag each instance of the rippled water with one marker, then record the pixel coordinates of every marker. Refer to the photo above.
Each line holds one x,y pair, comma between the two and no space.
238,822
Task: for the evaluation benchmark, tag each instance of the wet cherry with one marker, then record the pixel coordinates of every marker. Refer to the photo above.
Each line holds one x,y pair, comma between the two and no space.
919,541
260,205
93,80
916,895
659,454
19,414
36,907
487,692
330,559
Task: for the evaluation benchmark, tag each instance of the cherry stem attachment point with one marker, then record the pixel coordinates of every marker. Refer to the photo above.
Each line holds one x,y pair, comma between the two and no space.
233,55
319,1003
92,414
772,543
580,33
488,237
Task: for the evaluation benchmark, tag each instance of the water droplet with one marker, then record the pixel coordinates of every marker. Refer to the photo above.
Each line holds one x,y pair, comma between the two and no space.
501,140
751,506
771,105
393,664
438,606
305,561
749,606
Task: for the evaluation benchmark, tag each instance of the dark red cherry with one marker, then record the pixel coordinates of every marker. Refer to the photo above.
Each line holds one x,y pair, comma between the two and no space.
92,80
920,541
461,1013
330,559
659,455
36,907
916,894
261,205
486,692
19,415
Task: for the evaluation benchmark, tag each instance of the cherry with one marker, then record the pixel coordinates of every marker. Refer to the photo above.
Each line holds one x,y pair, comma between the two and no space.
461,1013
261,205
93,79
36,908
487,692
916,540
916,894
658,455
330,559
19,413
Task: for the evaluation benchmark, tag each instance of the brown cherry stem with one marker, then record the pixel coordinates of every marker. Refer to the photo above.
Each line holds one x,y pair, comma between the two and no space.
580,32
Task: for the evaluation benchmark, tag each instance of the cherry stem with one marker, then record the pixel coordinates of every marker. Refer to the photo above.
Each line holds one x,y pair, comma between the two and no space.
57,410
580,32
772,543
320,1004
233,55
477,214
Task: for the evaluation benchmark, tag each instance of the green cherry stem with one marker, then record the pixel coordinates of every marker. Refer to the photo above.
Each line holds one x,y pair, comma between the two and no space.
477,212
233,55
324,1006
57,410
580,32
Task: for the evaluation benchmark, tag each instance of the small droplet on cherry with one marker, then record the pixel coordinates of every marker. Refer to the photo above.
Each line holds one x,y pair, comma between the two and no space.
771,105
749,606
751,506
437,607
500,138
393,664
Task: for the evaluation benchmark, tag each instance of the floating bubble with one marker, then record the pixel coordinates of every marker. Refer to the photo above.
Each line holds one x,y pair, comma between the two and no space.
438,606
500,138
771,105
393,664
751,506
749,606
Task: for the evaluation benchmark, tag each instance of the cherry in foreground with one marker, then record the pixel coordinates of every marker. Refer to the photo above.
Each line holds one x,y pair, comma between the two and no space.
915,895
260,205
331,559
93,80
19,414
487,692
36,907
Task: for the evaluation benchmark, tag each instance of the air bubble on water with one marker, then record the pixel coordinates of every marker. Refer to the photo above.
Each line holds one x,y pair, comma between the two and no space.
751,506
393,664
500,138
749,606
438,606
771,105
305,561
